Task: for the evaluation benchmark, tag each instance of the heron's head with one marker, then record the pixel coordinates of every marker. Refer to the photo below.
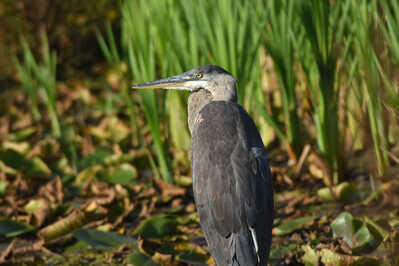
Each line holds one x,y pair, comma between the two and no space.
210,80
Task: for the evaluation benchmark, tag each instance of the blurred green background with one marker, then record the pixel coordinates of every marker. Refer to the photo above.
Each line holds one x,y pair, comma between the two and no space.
83,155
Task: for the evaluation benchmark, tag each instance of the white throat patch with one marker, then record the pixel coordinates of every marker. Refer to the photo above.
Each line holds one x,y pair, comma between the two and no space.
196,84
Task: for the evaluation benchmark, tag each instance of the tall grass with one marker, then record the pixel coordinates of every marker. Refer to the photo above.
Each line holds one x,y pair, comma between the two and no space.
40,77
229,35
325,55
177,50
389,23
140,45
327,42
279,38
328,65
113,56
365,28
154,45
320,68
109,48
27,78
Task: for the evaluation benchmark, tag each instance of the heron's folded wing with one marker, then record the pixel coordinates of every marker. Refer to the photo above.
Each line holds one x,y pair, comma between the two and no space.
228,175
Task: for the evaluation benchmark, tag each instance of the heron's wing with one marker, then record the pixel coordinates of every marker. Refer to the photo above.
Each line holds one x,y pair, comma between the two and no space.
231,179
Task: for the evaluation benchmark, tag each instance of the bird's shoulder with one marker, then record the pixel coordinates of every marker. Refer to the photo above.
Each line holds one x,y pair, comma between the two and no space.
217,115
227,120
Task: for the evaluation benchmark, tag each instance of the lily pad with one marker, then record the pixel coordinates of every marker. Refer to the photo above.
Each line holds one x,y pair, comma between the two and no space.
367,239
343,226
100,239
359,235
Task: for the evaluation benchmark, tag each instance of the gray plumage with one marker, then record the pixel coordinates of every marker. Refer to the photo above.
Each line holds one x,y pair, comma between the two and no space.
232,183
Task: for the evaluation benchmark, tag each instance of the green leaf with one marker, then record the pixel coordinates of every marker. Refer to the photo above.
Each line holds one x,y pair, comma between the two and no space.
329,257
7,170
366,262
123,174
367,239
192,258
34,167
11,228
100,239
345,192
22,134
38,169
3,187
157,227
293,225
138,258
35,205
360,236
97,157
381,225
183,181
280,251
78,246
363,236
87,174
13,159
310,258
343,227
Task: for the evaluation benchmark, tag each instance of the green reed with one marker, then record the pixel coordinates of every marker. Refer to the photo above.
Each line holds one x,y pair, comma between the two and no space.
370,83
279,38
40,77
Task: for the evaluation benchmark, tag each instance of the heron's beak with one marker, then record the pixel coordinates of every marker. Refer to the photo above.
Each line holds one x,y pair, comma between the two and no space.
179,82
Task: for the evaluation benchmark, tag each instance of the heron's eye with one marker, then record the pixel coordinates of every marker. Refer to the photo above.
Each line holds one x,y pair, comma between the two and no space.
198,75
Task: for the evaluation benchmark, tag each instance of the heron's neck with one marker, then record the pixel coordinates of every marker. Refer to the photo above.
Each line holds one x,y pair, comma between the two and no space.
196,101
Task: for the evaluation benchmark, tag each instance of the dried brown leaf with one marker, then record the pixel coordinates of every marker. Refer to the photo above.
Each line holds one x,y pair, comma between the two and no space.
162,259
53,191
168,189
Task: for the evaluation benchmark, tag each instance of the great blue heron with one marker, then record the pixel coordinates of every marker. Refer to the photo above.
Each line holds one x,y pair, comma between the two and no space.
232,183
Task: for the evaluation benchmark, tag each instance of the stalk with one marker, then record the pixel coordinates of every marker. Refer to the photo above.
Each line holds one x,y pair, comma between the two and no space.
319,41
279,44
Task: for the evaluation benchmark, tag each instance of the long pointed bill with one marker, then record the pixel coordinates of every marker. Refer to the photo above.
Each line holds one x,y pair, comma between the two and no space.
176,83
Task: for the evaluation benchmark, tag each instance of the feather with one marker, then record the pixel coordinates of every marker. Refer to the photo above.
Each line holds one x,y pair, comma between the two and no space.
232,185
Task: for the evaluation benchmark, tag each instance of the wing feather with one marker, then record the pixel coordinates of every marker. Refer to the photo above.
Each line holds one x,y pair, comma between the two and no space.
232,184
